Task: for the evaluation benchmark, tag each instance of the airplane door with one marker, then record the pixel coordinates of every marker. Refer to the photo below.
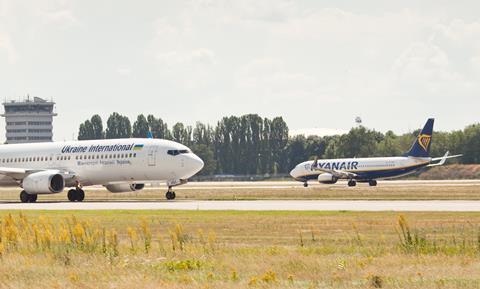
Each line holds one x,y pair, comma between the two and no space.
152,156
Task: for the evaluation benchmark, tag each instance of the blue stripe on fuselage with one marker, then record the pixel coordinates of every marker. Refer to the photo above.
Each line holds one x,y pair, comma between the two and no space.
372,175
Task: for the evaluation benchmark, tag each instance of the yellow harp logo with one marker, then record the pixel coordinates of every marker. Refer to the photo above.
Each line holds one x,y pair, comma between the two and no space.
424,141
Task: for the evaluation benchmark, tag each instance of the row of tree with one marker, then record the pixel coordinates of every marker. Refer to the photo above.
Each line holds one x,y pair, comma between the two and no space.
250,144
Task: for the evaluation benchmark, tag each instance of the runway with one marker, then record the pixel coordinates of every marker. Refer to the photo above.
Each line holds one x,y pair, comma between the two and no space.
261,205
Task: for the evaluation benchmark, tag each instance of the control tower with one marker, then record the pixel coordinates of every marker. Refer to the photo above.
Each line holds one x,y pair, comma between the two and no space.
29,120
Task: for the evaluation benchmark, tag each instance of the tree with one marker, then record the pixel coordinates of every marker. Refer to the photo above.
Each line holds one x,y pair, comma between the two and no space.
158,128
85,131
203,134
140,127
118,126
471,152
278,143
389,146
182,134
206,154
359,142
296,151
97,127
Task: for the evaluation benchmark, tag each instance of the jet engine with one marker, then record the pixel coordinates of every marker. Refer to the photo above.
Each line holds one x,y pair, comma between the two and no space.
123,188
327,178
44,182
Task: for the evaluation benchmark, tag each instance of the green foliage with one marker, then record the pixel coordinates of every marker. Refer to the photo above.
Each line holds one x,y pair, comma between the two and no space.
118,126
183,265
91,129
140,127
205,152
250,145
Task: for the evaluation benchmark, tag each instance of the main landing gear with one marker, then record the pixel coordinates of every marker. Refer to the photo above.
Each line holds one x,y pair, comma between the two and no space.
372,183
76,195
170,195
352,183
305,185
27,198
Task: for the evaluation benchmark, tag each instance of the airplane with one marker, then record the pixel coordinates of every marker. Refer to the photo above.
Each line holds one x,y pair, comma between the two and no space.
120,165
369,170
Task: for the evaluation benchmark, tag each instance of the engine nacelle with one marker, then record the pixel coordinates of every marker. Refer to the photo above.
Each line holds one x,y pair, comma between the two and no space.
327,178
45,182
123,188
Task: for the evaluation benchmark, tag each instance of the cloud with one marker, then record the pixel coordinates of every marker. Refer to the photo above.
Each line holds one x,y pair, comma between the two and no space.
270,77
124,71
447,62
63,17
175,59
189,69
8,47
423,62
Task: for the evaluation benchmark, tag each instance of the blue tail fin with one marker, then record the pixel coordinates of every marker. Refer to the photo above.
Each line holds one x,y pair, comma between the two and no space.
421,146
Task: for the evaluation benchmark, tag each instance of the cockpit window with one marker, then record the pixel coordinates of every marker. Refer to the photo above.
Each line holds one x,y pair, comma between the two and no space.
177,152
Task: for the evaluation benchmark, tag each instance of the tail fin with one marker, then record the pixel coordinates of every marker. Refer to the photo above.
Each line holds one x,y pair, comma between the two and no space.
421,146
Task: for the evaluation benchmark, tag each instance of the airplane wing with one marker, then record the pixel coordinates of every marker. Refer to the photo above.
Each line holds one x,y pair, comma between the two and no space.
20,173
442,160
336,173
14,173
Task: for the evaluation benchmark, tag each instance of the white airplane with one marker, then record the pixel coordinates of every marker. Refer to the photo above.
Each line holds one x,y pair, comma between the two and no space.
369,170
121,165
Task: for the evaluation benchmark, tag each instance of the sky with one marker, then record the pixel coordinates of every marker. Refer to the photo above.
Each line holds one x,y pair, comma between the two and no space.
318,64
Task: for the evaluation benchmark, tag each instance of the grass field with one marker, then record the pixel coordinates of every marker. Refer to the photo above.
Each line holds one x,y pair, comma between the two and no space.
220,191
177,249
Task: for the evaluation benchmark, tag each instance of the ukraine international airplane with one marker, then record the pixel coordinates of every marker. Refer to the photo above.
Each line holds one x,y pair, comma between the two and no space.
371,169
121,165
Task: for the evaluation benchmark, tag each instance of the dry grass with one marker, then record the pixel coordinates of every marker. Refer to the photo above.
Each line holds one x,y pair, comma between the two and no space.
384,191
177,249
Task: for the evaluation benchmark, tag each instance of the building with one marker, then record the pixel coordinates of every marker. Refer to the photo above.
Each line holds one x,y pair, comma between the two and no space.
28,121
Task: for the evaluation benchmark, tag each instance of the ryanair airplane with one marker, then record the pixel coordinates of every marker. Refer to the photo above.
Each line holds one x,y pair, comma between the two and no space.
121,165
369,170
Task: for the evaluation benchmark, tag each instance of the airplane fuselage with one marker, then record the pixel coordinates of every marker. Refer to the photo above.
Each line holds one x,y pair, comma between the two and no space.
102,162
364,168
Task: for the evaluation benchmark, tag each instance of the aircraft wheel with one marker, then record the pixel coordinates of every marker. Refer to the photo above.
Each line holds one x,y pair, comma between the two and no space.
352,183
33,198
72,195
80,195
305,185
24,197
372,183
170,195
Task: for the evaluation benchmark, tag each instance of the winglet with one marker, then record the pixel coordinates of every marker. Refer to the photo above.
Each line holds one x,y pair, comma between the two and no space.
315,164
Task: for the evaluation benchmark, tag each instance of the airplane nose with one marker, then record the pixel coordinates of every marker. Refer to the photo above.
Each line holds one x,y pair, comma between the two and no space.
198,163
193,164
294,172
